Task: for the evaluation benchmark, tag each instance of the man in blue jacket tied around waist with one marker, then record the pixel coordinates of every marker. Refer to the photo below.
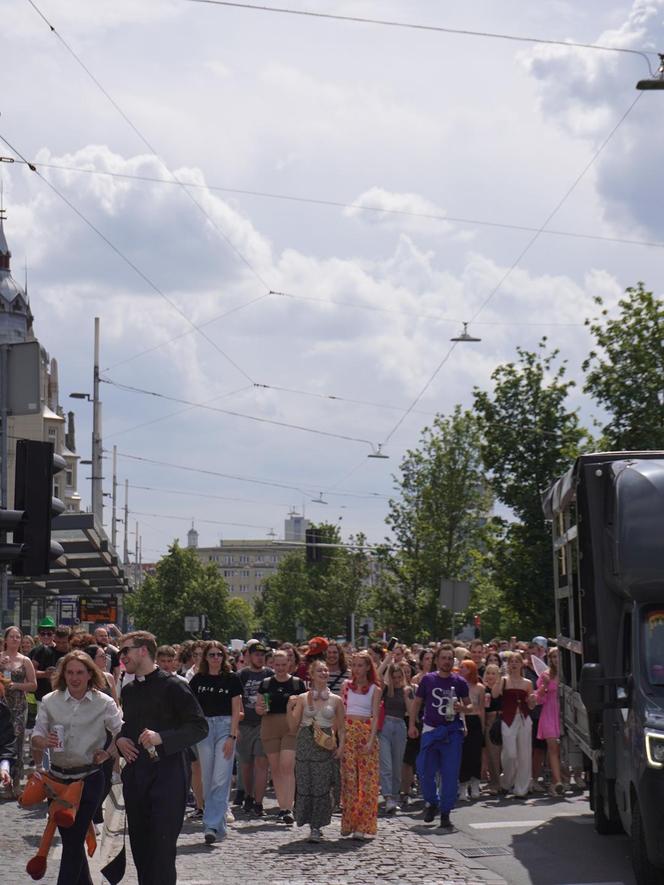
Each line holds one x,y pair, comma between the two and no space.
444,695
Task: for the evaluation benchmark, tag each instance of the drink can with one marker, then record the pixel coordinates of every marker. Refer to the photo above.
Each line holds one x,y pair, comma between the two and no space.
60,732
152,753
266,698
7,674
487,699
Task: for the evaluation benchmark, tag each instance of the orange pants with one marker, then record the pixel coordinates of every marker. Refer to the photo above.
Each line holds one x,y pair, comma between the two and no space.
359,780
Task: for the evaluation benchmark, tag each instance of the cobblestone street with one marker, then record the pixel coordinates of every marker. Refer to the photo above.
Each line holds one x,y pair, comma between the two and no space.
270,852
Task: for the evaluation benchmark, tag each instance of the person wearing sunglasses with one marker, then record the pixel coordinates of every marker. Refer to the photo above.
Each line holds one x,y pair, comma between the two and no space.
46,654
162,719
219,692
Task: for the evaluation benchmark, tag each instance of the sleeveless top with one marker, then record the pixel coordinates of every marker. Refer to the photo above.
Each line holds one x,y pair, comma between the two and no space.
323,716
359,703
514,702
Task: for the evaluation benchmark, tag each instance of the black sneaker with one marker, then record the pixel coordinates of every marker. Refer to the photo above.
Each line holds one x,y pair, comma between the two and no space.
287,818
257,809
248,804
239,798
197,814
445,822
429,813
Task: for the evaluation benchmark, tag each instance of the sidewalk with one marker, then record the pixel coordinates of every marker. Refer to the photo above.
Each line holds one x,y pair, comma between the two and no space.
266,851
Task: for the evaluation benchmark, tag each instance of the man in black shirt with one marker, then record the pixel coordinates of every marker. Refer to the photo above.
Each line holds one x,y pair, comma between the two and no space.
53,645
161,719
249,745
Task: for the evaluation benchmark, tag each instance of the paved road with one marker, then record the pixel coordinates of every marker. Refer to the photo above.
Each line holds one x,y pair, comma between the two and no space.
540,842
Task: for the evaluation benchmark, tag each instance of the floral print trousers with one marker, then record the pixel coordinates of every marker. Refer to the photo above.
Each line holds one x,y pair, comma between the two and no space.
359,780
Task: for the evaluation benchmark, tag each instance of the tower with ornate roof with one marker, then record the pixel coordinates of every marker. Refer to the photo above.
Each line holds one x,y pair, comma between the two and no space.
15,313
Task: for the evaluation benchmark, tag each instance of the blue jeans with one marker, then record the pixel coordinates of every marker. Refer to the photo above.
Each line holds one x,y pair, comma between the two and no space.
216,773
392,745
440,754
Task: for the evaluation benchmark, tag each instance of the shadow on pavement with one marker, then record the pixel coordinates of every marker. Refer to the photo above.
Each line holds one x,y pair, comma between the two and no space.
565,849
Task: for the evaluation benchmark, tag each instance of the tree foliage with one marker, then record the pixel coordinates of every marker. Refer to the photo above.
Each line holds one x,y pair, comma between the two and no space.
182,586
315,598
625,373
437,521
529,438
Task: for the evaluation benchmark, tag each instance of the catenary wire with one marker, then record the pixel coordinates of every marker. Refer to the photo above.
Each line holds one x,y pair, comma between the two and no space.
205,495
338,204
463,32
517,260
262,482
129,388
148,145
244,525
146,279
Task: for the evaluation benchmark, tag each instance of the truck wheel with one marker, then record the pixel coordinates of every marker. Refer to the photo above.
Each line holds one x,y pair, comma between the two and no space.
605,826
645,872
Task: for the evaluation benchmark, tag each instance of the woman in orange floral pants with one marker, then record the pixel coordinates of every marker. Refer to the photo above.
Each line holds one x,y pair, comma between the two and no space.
360,760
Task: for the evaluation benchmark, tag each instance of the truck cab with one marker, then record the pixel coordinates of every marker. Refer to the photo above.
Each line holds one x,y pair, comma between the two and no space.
607,518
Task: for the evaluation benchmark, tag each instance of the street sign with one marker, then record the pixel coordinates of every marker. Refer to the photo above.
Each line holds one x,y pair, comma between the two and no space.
192,624
454,595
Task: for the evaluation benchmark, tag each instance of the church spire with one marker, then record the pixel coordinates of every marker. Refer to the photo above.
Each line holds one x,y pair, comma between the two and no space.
15,314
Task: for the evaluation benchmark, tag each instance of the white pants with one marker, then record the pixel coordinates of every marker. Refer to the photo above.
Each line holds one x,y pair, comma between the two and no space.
517,755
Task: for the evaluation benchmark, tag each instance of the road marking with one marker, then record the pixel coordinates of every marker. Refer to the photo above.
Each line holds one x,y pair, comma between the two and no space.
506,824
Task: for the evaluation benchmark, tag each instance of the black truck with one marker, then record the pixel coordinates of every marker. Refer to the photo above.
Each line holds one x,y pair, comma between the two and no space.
607,517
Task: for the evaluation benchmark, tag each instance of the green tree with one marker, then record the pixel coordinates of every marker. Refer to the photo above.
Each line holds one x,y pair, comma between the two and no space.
625,373
181,586
529,438
241,619
316,597
436,520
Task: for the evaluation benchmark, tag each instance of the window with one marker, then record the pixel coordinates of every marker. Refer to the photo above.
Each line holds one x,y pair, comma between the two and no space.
244,560
228,560
69,477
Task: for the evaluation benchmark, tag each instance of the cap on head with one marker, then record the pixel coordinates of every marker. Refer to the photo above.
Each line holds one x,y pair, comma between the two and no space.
541,641
255,645
46,624
317,645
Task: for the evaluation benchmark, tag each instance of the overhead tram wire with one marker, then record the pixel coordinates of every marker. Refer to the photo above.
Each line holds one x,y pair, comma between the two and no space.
338,204
206,495
129,388
305,491
243,525
414,26
517,260
143,276
148,144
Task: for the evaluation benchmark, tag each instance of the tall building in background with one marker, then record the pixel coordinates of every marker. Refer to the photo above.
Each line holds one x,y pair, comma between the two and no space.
245,564
35,410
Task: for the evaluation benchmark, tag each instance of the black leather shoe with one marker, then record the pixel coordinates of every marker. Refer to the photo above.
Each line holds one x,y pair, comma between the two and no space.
429,814
445,822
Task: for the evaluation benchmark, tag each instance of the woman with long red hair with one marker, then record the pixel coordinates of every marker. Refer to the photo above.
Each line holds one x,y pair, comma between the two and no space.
471,756
360,759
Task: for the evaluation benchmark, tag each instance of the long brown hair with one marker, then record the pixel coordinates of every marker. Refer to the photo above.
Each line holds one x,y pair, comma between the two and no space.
343,666
97,679
372,675
203,667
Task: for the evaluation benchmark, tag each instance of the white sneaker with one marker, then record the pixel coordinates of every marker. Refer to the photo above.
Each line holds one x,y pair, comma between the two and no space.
390,805
537,787
463,792
315,835
474,788
230,817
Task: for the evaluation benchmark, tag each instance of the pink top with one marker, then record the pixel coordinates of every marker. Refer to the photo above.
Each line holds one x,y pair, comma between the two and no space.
549,721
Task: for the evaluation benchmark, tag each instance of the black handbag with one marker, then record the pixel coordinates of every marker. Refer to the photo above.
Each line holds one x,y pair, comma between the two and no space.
496,731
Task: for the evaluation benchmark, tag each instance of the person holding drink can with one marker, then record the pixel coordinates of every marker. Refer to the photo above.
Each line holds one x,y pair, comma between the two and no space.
72,724
277,736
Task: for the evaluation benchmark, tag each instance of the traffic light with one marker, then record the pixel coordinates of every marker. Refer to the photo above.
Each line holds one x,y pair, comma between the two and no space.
36,464
314,553
9,521
364,628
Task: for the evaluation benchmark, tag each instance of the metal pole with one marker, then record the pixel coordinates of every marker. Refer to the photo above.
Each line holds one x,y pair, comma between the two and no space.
125,552
4,454
114,526
136,557
97,490
352,629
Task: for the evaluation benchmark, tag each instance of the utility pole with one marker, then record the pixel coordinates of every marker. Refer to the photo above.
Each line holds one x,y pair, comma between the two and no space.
114,526
97,490
125,551
136,576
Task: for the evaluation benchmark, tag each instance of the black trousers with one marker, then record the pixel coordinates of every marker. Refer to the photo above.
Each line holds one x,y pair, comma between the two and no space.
471,756
155,795
74,868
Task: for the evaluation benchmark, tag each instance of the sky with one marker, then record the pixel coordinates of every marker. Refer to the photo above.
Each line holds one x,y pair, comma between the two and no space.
288,217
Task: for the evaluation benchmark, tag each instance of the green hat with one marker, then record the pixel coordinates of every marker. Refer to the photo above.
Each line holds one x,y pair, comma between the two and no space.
46,624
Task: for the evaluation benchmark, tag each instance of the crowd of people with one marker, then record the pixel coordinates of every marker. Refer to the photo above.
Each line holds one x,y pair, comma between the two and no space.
331,727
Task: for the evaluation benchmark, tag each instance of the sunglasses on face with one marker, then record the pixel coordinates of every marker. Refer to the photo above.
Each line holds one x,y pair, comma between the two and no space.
127,648
46,633
215,654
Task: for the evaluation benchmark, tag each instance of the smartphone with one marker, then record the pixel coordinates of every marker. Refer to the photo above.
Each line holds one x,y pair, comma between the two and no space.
393,641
